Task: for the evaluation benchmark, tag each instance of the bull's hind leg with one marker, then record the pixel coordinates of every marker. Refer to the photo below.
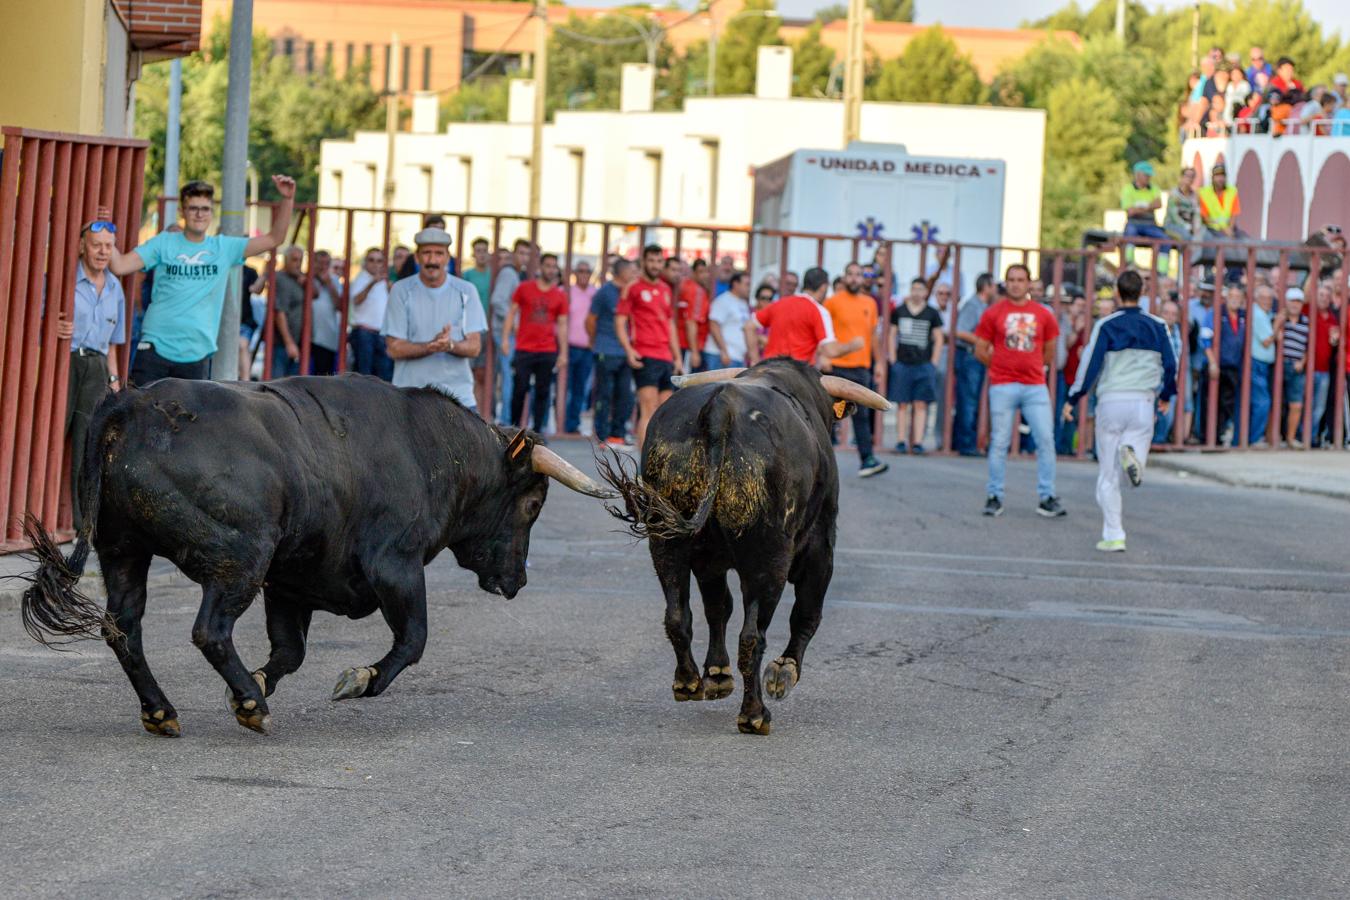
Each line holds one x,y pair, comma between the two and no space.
718,679
671,559
402,590
124,578
213,633
761,593
811,578
287,630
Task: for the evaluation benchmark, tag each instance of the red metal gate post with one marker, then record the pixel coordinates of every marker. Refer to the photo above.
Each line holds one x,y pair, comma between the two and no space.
345,312
1275,422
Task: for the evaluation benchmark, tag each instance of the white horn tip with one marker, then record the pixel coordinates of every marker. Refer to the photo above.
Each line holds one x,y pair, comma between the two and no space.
679,380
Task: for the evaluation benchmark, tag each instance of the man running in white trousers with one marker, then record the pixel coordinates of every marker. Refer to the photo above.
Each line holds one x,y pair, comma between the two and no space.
1129,358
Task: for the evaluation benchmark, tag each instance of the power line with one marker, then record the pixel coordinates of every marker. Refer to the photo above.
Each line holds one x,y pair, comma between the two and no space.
496,54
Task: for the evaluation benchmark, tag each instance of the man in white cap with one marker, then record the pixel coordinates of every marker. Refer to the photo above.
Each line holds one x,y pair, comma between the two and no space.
434,323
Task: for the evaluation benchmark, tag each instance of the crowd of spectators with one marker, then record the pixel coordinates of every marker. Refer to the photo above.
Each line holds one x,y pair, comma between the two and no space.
1225,97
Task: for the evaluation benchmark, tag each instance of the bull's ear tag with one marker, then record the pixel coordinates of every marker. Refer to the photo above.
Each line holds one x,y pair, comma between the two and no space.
515,445
840,408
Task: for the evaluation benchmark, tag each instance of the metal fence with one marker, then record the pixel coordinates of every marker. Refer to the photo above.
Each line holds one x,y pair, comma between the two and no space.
50,185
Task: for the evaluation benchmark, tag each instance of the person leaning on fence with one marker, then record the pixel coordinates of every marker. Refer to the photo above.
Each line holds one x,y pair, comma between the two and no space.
1129,360
178,334
100,307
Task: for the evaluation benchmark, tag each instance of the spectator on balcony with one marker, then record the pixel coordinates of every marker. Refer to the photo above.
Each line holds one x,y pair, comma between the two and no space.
1280,111
1248,119
1219,205
1263,360
1258,65
1182,219
1201,94
1239,89
1325,116
1214,122
1219,102
1141,199
1285,80
1294,342
1341,82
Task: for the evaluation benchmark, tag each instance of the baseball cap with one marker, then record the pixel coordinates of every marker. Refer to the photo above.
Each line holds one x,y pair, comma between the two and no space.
1293,294
1205,286
1340,78
1218,169
1143,167
431,237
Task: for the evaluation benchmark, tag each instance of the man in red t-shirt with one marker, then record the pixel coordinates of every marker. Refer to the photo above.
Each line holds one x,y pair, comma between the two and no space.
799,326
692,306
645,325
538,318
1016,340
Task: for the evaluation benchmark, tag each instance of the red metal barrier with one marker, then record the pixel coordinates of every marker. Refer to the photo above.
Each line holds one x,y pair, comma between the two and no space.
50,185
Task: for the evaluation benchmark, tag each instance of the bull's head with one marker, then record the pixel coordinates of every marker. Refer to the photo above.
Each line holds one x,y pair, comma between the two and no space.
846,394
498,557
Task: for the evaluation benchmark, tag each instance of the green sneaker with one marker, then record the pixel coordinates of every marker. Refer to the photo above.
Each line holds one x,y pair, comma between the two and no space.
1111,546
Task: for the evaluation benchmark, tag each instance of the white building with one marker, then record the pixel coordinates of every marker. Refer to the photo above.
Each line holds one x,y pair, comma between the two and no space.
634,165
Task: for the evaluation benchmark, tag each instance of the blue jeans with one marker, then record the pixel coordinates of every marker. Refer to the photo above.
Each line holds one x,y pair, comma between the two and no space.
283,365
1150,230
368,354
969,383
613,396
505,379
1321,386
580,360
1065,426
1162,428
1034,402
1260,401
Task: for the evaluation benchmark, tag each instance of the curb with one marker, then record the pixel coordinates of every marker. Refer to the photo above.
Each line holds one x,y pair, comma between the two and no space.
1174,464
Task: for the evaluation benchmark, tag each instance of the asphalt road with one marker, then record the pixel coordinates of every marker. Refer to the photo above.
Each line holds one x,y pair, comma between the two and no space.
989,709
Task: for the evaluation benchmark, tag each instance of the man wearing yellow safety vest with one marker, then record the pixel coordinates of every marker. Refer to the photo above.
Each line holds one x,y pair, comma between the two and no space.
1219,206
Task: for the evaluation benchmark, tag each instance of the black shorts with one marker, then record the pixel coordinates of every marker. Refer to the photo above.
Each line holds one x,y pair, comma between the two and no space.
654,373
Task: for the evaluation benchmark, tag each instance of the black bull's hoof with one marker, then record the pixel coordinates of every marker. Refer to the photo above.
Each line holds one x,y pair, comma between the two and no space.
753,724
688,690
353,683
250,713
780,677
161,722
718,682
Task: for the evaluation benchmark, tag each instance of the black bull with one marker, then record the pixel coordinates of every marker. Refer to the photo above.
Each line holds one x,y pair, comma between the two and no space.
324,493
738,472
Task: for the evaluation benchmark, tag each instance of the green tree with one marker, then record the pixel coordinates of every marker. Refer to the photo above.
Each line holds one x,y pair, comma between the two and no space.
290,114
1027,81
586,58
1137,79
930,70
480,100
833,13
812,64
891,10
738,47
1085,142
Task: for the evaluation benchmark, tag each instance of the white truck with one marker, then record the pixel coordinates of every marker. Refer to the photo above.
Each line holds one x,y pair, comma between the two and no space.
876,192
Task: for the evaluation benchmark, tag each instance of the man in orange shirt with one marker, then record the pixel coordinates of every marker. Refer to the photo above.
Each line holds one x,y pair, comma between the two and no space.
855,316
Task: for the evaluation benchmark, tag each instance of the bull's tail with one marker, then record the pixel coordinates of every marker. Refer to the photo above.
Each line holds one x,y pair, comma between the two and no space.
55,611
647,511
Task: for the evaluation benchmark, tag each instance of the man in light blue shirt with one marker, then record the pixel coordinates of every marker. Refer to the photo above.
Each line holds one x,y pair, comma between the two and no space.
99,321
178,333
434,323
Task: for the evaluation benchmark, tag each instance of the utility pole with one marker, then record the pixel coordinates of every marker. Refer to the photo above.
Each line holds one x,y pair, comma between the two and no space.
391,119
540,76
225,364
712,51
171,138
1120,20
853,73
1195,37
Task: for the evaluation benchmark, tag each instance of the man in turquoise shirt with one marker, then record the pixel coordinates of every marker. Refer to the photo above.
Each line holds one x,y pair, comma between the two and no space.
178,333
1263,360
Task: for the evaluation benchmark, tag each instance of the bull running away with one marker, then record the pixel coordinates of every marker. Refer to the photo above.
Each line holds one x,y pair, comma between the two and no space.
355,486
737,472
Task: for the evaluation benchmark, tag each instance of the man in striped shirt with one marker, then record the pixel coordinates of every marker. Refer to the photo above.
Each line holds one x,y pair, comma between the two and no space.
1295,346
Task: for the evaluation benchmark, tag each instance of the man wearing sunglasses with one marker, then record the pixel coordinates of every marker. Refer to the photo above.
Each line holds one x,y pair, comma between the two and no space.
99,321
178,334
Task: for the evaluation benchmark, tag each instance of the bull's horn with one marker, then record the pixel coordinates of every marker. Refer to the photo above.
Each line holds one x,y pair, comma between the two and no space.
546,462
709,377
843,389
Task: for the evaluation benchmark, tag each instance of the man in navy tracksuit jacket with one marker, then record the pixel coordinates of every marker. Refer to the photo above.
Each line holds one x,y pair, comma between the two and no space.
1129,358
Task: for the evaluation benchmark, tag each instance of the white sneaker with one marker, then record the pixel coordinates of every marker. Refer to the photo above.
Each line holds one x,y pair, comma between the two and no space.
1130,463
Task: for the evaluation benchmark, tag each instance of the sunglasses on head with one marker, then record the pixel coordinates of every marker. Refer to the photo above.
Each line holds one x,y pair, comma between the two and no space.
1333,229
97,227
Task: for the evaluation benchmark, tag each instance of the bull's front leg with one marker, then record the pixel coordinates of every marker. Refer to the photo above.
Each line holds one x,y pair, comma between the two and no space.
404,606
213,633
761,593
671,559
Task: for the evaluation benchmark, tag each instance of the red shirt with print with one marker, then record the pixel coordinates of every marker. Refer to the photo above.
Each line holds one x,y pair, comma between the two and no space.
537,316
693,304
1018,333
647,304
